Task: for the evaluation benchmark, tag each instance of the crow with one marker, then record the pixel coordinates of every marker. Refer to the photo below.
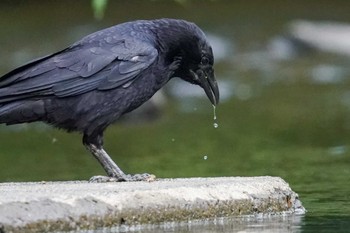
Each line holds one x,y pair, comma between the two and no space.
90,84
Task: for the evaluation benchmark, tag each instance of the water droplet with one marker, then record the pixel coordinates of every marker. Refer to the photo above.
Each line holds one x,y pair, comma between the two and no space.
216,125
205,157
214,111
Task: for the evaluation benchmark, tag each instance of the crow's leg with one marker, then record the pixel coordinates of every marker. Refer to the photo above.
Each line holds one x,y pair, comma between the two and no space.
95,146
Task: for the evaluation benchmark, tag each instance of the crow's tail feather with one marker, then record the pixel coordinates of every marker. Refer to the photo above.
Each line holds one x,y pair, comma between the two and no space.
22,111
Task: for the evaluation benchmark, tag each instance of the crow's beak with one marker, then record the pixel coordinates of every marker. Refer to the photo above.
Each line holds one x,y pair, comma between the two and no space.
208,82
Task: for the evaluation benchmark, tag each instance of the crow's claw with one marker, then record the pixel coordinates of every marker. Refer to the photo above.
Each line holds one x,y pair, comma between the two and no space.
125,178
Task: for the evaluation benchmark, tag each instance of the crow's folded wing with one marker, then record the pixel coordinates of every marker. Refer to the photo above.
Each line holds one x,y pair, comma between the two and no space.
78,69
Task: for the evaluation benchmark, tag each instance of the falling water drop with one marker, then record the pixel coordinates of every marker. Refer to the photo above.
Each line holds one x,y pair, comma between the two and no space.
215,124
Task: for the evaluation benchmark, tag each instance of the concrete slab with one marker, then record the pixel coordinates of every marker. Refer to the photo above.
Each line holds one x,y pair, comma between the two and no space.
63,206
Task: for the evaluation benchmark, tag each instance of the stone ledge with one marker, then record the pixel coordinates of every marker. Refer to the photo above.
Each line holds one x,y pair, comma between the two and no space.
63,206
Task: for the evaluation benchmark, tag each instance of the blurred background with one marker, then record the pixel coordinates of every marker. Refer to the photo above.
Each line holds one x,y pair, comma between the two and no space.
283,72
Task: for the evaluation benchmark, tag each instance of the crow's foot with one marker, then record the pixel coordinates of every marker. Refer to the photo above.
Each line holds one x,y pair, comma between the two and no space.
102,179
124,178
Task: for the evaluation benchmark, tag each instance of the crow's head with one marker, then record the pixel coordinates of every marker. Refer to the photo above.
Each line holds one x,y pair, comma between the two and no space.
188,50
199,70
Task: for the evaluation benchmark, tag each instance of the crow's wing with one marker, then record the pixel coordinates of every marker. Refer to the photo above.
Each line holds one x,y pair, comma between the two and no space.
85,66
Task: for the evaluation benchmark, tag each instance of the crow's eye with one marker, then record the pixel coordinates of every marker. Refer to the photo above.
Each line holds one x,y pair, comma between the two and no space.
205,61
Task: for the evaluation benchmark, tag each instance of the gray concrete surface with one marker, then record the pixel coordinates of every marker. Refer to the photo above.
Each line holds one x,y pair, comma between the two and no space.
63,206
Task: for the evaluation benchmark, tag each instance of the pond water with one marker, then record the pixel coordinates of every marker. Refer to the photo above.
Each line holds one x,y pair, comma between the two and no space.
285,107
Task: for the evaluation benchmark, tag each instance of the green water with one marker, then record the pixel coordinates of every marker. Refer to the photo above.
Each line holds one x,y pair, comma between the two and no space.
279,121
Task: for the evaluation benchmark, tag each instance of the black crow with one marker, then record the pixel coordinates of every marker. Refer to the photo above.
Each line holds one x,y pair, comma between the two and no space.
89,85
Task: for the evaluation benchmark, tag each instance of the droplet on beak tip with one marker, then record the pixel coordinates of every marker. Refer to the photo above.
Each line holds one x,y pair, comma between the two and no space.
215,124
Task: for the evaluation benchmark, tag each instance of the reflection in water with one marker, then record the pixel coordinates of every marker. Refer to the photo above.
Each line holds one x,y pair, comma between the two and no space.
225,225
328,74
325,36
